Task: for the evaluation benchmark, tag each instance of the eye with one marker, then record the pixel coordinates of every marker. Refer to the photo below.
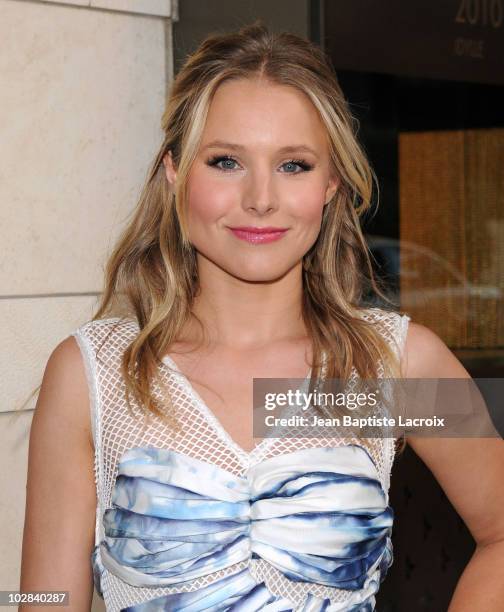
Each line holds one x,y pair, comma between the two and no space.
227,164
305,167
215,161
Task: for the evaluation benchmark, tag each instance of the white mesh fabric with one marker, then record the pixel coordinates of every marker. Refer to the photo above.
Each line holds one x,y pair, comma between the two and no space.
115,431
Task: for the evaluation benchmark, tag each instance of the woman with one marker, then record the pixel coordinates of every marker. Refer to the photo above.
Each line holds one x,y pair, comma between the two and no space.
243,259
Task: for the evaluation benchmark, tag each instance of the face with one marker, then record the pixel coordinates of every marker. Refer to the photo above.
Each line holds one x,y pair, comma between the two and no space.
260,181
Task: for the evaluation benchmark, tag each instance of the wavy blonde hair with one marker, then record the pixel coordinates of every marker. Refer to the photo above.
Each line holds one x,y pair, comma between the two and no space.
152,272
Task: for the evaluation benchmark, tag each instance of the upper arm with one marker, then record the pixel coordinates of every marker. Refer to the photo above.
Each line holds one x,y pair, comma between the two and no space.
59,524
470,470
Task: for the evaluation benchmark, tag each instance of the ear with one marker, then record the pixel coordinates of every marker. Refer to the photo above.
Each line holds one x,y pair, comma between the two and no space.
170,171
332,188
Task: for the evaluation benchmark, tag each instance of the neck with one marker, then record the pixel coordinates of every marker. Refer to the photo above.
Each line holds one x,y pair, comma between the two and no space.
248,315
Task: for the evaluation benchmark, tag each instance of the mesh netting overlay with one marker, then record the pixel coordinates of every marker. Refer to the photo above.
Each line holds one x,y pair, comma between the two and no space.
116,430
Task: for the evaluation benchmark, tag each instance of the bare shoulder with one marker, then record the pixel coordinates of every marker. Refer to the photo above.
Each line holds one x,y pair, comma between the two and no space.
67,353
427,356
66,356
65,377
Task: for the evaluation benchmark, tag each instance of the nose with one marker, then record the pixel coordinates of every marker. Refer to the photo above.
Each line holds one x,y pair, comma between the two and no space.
260,197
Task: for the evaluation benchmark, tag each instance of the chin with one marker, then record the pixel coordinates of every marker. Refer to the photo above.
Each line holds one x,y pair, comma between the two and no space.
256,274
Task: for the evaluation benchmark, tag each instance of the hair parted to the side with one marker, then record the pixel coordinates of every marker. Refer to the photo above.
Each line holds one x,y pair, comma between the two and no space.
152,274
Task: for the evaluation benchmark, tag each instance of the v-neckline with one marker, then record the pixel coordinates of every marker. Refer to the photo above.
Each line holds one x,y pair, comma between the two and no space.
244,455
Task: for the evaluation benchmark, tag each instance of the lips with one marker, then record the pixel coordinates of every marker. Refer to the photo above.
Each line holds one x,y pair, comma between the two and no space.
258,235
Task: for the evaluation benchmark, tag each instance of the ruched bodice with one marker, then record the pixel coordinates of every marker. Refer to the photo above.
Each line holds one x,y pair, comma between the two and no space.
318,515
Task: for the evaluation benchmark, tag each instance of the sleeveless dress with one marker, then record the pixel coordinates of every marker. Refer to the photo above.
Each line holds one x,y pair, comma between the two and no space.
190,521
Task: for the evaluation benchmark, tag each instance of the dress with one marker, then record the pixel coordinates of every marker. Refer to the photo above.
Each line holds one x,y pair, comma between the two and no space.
191,521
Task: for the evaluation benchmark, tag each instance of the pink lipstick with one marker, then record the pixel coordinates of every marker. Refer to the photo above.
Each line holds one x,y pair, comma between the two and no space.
258,235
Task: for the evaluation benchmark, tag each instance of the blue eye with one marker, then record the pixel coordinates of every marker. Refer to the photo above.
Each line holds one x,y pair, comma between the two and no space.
227,160
298,162
215,161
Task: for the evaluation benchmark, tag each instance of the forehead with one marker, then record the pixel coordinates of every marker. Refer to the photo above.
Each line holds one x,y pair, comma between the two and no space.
259,113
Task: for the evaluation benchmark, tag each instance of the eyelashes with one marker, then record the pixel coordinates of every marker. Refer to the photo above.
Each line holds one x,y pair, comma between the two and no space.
217,159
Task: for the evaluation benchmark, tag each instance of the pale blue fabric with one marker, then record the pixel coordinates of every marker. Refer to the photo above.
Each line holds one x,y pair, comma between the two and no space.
319,515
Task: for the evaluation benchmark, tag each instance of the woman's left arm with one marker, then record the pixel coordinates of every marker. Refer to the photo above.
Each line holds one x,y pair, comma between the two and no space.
471,472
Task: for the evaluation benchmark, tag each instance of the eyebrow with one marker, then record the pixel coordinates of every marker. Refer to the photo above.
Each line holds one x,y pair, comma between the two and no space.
217,144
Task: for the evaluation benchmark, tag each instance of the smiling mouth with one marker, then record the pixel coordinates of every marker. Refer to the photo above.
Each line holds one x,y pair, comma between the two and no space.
258,235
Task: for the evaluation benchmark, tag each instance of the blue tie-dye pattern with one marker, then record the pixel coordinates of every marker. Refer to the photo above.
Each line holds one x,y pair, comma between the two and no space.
318,515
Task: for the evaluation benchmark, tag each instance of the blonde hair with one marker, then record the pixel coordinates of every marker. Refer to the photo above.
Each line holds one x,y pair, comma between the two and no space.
152,272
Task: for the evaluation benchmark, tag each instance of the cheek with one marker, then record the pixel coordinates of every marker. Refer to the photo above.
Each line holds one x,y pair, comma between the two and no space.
208,201
307,205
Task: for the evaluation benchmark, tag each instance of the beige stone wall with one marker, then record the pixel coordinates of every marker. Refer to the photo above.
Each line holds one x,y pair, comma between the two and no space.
82,90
